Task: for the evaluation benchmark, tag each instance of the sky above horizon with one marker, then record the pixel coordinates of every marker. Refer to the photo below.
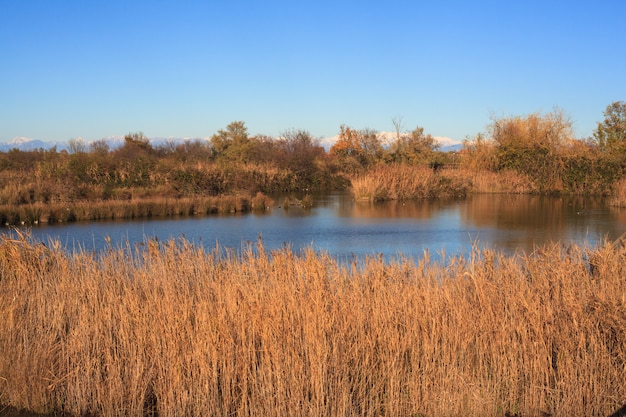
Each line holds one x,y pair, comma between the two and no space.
91,70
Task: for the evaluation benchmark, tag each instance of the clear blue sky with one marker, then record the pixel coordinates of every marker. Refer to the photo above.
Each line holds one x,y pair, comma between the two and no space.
94,69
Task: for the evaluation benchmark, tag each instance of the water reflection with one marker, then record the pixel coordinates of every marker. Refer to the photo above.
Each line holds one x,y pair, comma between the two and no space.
392,209
347,229
524,221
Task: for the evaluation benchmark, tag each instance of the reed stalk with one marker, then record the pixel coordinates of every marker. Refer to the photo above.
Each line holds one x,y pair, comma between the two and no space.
172,329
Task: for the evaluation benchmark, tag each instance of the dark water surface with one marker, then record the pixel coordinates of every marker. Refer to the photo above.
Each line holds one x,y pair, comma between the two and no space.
345,228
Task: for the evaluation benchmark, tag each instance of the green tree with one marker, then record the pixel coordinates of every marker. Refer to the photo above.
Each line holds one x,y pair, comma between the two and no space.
413,148
232,144
610,134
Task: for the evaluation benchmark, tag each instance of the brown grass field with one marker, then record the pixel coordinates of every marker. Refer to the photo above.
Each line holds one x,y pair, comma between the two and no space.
170,329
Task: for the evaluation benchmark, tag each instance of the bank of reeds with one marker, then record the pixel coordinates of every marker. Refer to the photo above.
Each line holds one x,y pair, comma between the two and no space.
503,182
404,182
174,330
131,209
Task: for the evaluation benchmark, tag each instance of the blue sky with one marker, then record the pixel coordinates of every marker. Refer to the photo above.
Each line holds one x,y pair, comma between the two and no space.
71,69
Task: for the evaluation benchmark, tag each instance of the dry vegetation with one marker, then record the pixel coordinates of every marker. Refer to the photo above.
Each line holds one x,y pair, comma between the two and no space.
488,182
405,182
536,153
132,209
171,329
618,198
232,173
395,182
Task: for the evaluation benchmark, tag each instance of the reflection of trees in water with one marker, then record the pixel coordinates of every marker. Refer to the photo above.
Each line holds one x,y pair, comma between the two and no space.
620,215
552,216
510,222
393,209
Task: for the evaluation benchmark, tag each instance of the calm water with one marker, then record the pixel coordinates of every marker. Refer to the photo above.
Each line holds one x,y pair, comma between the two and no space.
346,229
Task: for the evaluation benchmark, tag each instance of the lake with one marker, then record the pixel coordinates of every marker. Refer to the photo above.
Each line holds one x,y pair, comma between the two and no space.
348,229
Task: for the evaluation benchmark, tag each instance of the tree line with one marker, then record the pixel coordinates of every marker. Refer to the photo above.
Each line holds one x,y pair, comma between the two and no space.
540,147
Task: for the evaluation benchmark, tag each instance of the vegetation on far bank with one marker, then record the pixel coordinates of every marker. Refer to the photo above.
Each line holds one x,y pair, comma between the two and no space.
521,154
169,329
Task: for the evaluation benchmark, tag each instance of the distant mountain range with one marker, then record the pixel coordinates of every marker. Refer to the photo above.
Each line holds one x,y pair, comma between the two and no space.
27,144
445,144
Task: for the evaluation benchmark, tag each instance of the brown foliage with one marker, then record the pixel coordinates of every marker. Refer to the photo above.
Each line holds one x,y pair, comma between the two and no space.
131,208
169,329
406,182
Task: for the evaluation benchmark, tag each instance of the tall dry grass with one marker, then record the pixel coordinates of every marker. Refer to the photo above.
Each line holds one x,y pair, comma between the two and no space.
131,209
405,182
489,182
173,330
618,196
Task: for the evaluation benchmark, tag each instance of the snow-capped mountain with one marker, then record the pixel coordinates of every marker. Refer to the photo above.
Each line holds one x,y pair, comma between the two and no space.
445,144
27,144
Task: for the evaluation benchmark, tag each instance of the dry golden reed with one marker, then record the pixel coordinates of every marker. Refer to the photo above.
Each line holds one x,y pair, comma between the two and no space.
174,330
404,182
618,197
29,214
505,182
